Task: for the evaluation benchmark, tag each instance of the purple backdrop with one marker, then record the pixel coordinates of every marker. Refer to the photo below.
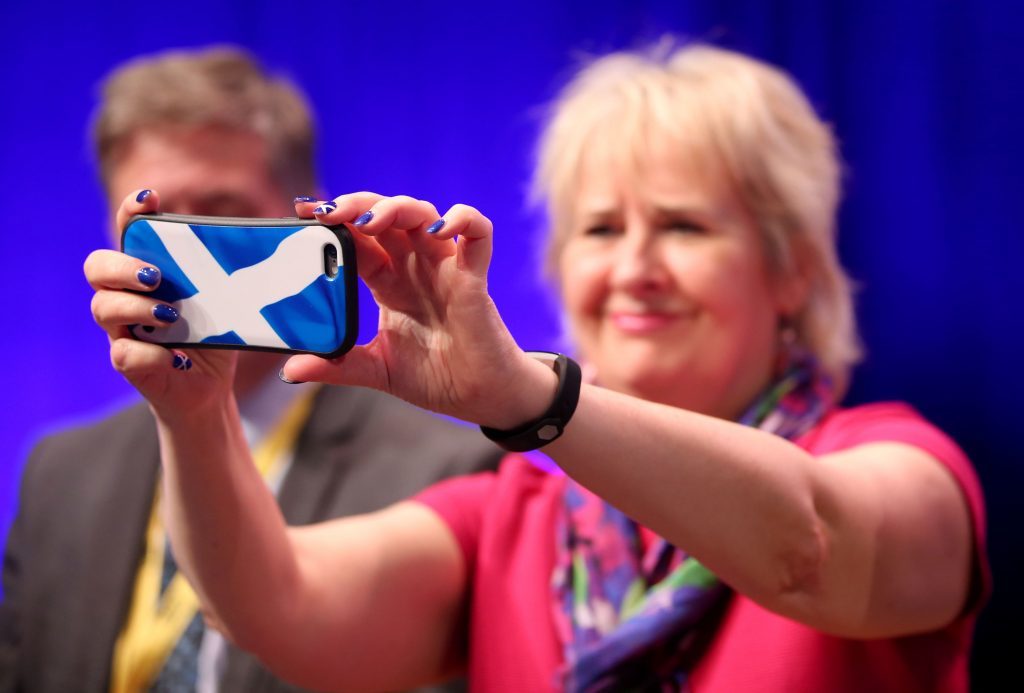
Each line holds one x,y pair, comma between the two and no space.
441,102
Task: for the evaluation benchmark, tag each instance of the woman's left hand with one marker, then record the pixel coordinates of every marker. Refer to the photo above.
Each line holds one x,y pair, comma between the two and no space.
122,299
441,343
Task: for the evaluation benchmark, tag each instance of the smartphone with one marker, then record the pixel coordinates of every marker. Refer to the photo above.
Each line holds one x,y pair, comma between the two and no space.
283,285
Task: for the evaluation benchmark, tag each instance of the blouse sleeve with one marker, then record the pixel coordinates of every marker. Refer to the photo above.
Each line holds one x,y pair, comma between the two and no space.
460,502
897,422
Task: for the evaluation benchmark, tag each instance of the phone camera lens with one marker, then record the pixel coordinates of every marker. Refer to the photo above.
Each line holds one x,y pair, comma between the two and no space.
330,261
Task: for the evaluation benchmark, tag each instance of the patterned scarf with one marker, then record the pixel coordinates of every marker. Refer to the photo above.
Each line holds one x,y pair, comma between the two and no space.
631,620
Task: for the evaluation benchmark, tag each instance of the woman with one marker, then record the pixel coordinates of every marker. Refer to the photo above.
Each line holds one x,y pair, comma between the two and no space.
692,199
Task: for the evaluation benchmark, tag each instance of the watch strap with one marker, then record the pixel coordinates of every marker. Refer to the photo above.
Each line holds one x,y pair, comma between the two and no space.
551,424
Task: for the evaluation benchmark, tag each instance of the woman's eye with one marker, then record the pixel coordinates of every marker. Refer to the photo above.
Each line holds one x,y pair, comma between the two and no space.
683,226
600,230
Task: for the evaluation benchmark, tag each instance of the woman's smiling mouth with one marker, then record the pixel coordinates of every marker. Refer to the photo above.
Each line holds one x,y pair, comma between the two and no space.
643,322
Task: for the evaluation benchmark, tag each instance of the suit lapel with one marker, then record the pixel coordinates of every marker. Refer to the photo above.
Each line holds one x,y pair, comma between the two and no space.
320,462
129,478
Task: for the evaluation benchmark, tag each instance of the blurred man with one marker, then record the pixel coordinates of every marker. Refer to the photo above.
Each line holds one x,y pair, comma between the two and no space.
93,600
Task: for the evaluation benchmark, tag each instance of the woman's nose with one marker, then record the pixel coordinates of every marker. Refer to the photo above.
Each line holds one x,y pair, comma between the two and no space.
639,265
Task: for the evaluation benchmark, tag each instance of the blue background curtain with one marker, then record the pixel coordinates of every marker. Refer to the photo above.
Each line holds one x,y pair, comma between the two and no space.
442,101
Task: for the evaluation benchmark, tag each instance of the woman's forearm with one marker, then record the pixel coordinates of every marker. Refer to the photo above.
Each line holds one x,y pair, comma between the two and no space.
228,534
744,502
324,605
873,541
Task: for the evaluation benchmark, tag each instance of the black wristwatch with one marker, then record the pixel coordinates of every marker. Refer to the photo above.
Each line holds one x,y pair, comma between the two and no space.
551,424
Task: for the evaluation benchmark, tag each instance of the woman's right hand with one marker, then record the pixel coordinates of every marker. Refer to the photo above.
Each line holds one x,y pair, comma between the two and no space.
440,342
175,383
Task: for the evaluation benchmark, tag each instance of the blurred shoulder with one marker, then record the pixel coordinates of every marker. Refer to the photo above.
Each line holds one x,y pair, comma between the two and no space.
348,407
124,436
388,423
846,427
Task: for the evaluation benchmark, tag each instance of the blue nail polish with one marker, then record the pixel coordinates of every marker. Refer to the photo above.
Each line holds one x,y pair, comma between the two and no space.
143,195
364,219
305,198
325,208
285,379
165,313
181,362
150,276
436,226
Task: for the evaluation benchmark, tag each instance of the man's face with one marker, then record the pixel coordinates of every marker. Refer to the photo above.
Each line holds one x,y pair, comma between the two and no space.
206,171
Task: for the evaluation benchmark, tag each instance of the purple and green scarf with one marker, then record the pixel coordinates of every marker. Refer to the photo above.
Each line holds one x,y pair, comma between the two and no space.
631,620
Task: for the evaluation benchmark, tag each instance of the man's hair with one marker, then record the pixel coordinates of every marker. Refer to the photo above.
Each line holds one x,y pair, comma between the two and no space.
728,115
221,87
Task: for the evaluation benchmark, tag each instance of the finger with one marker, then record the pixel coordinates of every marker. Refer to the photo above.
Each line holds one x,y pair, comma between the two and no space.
109,269
366,214
180,361
398,212
371,258
359,368
113,310
345,209
476,236
398,224
389,221
142,201
304,206
135,359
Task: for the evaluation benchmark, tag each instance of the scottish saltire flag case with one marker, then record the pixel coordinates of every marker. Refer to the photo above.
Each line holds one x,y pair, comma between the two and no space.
285,285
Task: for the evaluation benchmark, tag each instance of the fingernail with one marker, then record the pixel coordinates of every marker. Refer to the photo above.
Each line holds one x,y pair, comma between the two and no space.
165,313
141,197
364,218
325,208
436,226
181,362
305,198
285,379
150,276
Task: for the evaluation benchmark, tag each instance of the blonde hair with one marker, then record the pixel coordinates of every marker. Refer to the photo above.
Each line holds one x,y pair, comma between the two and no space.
733,116
221,87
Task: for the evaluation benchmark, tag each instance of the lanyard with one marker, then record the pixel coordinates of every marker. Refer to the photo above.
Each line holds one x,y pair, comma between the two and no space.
155,623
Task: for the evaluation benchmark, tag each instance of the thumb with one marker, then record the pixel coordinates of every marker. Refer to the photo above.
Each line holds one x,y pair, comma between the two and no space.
359,367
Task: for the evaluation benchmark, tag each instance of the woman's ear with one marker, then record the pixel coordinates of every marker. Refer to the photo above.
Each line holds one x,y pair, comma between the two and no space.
792,286
791,294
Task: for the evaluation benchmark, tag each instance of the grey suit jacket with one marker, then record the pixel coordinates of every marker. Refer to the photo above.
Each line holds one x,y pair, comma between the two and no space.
78,537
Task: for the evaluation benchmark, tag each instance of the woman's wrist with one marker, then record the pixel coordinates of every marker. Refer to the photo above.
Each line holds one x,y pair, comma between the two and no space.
528,395
212,414
541,429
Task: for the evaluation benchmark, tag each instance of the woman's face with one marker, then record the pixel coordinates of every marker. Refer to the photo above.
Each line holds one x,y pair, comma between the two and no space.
666,287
